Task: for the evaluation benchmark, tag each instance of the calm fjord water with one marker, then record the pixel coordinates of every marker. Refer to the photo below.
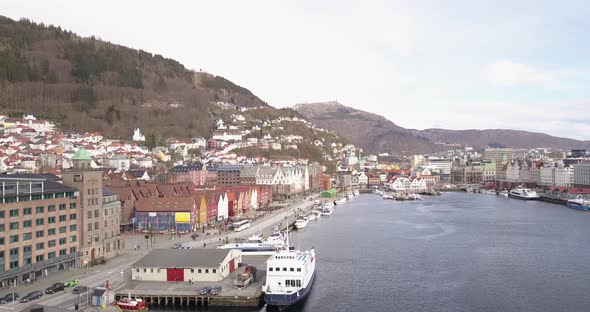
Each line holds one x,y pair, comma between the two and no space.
456,252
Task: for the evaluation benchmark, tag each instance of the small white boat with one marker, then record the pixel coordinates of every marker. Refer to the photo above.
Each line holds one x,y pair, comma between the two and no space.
386,196
340,201
355,193
318,214
326,211
301,222
311,217
523,193
415,196
504,193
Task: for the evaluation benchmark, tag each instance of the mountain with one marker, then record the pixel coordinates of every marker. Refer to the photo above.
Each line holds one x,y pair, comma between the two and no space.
87,84
378,134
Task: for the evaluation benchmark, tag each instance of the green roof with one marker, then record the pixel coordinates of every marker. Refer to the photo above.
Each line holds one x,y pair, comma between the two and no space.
82,154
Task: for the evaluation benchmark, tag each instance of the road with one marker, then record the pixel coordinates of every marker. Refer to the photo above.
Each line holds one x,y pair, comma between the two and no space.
118,270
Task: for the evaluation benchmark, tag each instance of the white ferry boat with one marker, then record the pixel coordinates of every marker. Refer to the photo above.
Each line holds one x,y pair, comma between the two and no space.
523,193
340,201
289,277
301,222
256,245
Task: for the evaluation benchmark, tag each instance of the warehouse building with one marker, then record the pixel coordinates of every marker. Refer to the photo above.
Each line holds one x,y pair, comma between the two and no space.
179,265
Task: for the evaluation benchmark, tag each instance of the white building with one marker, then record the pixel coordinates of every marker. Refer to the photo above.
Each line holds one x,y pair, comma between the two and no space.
137,136
227,135
181,265
120,163
564,176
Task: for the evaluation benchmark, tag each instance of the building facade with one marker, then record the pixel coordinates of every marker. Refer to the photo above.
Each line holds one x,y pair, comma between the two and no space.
39,228
582,175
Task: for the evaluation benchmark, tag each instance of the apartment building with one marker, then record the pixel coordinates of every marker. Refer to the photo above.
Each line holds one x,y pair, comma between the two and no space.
39,227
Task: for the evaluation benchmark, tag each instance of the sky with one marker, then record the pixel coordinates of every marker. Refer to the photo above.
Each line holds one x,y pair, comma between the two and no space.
449,64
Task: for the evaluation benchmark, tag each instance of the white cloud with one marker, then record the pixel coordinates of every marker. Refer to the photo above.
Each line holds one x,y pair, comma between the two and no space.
508,73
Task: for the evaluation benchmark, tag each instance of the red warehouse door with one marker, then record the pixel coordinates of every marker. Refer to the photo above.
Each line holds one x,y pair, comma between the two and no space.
175,275
232,265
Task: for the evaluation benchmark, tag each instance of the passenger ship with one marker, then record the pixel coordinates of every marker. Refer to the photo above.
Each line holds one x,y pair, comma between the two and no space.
289,277
523,193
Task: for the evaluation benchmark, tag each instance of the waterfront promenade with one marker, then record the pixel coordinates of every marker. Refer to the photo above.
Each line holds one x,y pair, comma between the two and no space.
118,270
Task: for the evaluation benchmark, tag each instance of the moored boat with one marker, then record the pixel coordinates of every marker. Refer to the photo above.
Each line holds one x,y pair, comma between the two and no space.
132,305
283,288
523,193
301,222
579,204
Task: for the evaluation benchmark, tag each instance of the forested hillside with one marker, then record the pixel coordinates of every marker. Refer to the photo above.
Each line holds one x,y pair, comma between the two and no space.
86,84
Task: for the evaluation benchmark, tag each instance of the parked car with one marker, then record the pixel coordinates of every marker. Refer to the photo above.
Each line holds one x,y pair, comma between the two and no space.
72,283
32,296
55,288
9,298
216,290
176,246
79,289
205,290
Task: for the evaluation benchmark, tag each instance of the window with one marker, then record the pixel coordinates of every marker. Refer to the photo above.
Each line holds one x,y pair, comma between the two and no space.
27,211
106,223
28,236
89,239
51,243
50,208
62,241
158,270
63,229
89,226
270,269
51,255
2,214
13,238
72,250
151,270
50,220
284,269
292,269
144,270
199,271
73,239
40,246
14,213
1,227
72,205
27,223
63,252
298,269
62,207
1,241
73,216
214,270
39,209
63,218
40,221
96,225
96,237
39,234
14,225
96,213
106,212
298,283
278,269
192,270
136,270
89,214
39,258
288,283
73,228
51,232
206,270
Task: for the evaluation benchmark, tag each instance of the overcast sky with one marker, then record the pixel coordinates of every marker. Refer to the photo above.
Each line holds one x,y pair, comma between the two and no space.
423,64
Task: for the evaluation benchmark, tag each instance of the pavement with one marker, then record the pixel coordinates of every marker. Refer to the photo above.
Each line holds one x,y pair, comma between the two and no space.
117,270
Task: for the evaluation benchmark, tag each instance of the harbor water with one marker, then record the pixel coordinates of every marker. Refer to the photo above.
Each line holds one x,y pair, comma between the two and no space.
455,252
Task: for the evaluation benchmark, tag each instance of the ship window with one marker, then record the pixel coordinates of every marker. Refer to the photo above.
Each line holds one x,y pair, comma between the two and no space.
270,269
277,269
293,283
287,283
284,269
298,283
298,269
292,269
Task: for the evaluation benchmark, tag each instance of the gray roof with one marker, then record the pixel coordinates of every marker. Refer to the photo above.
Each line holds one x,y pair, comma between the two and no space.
45,176
183,258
